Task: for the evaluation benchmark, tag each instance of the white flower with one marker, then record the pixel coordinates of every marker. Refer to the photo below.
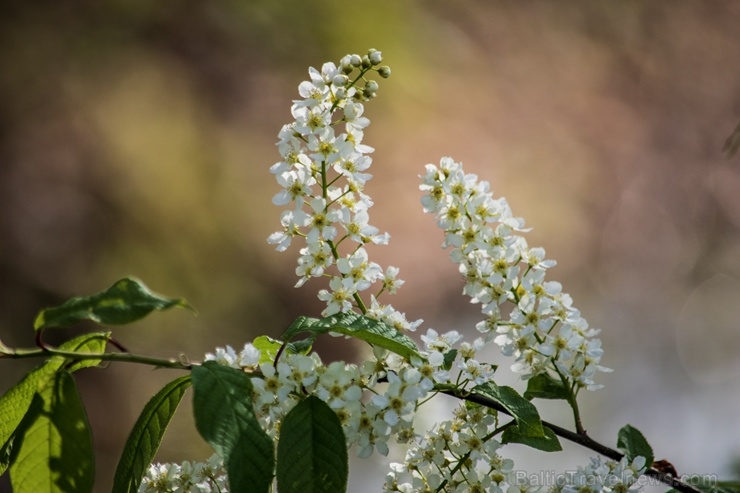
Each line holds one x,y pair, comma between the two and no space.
359,269
440,342
339,299
224,356
338,385
249,357
296,185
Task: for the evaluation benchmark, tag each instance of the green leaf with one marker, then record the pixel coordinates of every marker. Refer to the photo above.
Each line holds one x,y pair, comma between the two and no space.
269,347
15,403
145,437
312,450
449,358
55,452
633,443
224,417
548,443
126,301
528,420
544,386
358,326
94,343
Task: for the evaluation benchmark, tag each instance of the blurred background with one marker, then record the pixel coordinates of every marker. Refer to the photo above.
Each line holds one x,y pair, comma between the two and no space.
136,137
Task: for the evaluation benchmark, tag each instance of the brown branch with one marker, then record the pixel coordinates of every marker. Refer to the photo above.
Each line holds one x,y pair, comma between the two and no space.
581,439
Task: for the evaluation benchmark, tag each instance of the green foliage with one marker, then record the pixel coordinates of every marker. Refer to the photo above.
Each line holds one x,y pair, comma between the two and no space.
312,451
15,403
53,446
449,359
633,444
547,443
270,347
527,418
544,386
528,429
358,326
128,300
224,416
147,434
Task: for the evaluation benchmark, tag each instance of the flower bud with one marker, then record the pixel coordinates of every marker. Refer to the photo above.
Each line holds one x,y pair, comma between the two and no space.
371,86
384,71
366,63
375,56
340,80
355,60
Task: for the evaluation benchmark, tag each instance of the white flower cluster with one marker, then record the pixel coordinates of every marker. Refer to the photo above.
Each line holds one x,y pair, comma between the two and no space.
458,455
543,330
195,477
604,477
322,174
368,422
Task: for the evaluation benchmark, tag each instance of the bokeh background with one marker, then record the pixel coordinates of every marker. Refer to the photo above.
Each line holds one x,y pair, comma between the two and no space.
136,136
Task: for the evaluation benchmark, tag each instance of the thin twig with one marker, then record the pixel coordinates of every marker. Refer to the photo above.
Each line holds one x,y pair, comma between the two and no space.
581,439
124,357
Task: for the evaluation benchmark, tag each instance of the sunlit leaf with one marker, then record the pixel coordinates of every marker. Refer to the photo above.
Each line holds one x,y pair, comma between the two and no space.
54,445
15,402
269,347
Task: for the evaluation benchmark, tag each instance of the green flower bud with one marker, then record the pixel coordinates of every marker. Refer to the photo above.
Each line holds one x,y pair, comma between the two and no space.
366,63
371,86
368,94
375,56
384,71
340,80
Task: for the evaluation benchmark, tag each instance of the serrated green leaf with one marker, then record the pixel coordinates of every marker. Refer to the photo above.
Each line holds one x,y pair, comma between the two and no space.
633,444
15,402
527,418
544,386
548,443
146,435
358,326
312,451
55,452
224,417
128,300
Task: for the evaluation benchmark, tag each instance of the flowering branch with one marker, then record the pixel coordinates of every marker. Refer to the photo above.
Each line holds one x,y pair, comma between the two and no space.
298,416
581,438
